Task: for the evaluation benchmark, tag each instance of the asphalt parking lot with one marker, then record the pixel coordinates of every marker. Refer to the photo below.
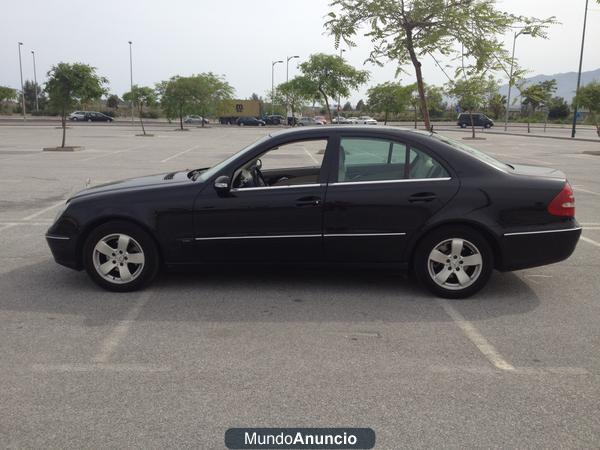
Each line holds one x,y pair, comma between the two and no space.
518,365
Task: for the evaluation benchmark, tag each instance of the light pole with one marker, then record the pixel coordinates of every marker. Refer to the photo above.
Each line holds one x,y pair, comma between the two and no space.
37,107
512,61
131,78
579,73
273,83
342,50
22,90
287,78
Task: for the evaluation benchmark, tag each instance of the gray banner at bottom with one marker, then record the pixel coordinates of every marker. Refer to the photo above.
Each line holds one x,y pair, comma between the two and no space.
299,438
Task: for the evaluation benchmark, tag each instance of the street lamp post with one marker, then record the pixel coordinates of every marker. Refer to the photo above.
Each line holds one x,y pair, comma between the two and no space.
37,107
131,78
512,61
579,73
342,50
287,78
273,83
22,90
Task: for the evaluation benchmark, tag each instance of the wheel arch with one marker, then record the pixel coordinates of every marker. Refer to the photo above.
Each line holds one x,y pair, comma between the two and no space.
489,236
89,227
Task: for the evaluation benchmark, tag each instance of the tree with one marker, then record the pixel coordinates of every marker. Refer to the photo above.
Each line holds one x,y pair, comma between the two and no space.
405,31
31,90
360,105
558,108
296,93
6,95
435,101
347,106
198,94
209,91
496,105
470,93
113,101
329,77
70,85
389,98
588,96
141,96
536,95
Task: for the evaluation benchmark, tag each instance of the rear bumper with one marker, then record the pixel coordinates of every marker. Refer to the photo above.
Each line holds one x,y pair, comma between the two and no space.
521,250
64,251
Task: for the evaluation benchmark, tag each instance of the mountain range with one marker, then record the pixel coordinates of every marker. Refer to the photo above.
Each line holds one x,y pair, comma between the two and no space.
565,83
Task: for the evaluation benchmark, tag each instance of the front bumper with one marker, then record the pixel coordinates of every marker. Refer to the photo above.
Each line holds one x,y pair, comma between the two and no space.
521,250
64,251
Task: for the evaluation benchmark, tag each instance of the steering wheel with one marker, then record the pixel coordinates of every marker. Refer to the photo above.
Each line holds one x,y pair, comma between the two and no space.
257,177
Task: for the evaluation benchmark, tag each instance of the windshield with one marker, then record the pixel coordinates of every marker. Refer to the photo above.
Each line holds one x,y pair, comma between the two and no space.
205,175
471,151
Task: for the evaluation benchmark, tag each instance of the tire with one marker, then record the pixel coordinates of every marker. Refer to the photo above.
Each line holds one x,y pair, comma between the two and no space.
89,120
487,125
463,125
126,239
436,255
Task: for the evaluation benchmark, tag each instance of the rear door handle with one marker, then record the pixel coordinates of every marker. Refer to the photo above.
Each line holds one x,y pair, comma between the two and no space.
422,197
308,201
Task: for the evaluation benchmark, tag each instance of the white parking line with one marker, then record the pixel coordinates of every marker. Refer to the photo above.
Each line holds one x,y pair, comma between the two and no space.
45,368
112,153
111,342
179,154
45,210
312,157
586,191
590,241
476,337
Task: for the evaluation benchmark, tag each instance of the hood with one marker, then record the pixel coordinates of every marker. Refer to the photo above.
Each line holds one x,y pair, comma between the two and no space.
135,183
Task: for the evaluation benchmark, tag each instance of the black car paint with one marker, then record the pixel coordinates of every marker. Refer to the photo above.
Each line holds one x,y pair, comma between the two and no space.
190,219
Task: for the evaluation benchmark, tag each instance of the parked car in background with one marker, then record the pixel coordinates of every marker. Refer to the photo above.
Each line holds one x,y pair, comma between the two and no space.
321,119
353,120
306,121
195,119
479,120
274,119
93,116
76,115
250,121
366,120
340,119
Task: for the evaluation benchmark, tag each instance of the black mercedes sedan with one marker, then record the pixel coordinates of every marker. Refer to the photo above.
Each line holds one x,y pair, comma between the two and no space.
417,201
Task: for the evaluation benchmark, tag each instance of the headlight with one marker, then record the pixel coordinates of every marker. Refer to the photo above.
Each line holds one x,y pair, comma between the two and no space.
60,212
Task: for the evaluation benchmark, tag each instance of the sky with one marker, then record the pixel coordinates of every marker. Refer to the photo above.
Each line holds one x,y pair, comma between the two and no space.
239,39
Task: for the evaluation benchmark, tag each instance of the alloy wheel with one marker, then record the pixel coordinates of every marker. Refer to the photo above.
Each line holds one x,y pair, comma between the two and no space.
455,264
118,258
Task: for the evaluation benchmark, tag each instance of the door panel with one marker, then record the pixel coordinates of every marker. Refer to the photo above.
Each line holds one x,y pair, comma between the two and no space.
270,224
371,221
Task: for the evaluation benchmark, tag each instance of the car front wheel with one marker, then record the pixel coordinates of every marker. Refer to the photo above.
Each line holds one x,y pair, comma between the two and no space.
120,256
453,262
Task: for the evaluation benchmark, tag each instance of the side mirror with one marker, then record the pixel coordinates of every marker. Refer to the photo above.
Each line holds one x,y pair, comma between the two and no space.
222,183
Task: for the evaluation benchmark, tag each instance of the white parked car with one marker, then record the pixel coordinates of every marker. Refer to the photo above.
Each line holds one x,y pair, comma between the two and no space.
340,119
76,115
195,119
353,120
366,120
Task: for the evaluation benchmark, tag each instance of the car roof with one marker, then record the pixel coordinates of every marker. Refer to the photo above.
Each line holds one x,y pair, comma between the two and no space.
400,131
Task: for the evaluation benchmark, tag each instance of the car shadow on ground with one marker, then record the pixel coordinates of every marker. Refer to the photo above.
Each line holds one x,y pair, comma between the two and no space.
255,293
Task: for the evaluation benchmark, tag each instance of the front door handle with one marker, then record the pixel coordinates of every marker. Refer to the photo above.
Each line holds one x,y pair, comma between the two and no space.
308,201
422,197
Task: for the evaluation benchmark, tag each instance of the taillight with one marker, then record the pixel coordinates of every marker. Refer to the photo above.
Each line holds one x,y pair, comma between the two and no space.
564,203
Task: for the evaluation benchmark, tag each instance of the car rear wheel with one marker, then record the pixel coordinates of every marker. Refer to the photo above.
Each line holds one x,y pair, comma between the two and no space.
120,256
453,262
